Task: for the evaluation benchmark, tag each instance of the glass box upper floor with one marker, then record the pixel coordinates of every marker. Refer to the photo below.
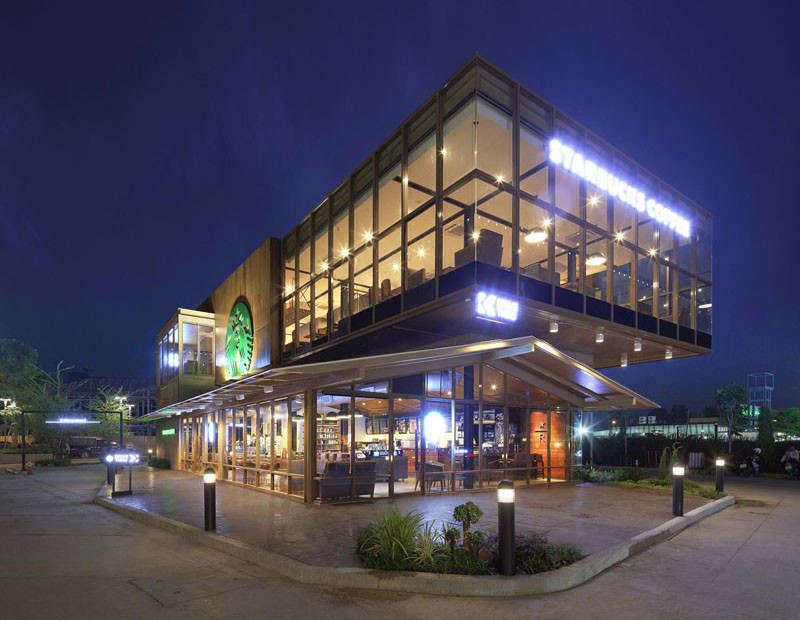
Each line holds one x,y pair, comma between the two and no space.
473,184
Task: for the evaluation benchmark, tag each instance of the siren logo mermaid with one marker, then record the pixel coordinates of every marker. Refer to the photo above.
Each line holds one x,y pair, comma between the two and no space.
239,341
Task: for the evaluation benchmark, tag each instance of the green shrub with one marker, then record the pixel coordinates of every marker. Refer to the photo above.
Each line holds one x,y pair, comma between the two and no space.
389,541
429,549
634,475
534,554
159,463
62,462
43,462
690,487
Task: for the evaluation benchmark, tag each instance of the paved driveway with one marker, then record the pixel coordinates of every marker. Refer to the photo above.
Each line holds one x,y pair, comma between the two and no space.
591,517
65,558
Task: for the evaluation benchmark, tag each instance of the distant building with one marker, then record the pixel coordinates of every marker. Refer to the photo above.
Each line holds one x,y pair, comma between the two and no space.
759,395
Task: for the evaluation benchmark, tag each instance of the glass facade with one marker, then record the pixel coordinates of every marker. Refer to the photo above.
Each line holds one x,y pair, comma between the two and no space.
466,180
185,348
454,429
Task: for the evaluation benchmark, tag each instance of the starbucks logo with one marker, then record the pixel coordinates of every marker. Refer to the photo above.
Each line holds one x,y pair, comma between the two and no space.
239,341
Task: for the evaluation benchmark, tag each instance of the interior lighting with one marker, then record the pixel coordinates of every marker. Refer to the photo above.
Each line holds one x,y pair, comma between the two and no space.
599,337
289,289
499,178
623,360
637,345
536,235
620,235
593,201
444,152
494,386
652,251
368,236
396,266
434,427
668,353
405,180
553,327
324,265
704,306
596,259
345,252
421,252
475,235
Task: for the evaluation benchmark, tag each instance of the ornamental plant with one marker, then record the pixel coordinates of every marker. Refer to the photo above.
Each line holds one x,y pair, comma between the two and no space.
467,514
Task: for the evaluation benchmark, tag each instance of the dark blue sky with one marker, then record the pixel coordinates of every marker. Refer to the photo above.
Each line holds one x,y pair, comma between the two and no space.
147,148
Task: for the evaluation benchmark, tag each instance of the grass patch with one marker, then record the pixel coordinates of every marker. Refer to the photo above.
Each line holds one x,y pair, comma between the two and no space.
689,487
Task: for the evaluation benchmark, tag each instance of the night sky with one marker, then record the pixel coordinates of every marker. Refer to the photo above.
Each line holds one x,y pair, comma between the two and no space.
147,148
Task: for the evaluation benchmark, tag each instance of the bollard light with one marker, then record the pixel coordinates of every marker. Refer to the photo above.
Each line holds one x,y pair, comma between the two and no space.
210,499
149,450
720,477
505,527
678,472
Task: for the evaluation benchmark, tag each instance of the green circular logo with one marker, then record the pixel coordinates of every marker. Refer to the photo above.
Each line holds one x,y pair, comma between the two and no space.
239,341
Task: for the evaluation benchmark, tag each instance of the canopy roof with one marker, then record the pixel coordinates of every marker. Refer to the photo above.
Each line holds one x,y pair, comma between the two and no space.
530,359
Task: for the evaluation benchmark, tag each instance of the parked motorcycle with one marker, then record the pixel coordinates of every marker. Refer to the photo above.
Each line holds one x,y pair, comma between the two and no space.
792,468
746,468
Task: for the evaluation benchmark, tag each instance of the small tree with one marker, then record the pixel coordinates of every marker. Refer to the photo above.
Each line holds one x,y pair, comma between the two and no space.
730,401
663,463
467,514
108,401
766,439
787,421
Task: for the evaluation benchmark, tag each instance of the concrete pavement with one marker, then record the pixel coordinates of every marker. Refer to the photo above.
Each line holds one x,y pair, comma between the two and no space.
65,558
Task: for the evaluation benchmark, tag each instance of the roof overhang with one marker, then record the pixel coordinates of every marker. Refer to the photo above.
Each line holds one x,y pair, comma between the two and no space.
530,359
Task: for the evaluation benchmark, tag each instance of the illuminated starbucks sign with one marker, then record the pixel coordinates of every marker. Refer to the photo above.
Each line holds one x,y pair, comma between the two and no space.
239,341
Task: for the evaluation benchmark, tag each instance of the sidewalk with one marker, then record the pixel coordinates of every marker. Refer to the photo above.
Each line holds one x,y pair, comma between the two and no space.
590,517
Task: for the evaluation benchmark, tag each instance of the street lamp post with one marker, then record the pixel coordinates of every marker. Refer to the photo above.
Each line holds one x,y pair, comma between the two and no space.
720,475
210,499
24,438
505,527
678,473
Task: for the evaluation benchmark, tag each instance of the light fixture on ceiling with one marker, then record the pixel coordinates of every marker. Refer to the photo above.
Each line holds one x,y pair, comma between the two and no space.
623,360
599,337
536,235
553,327
705,306
637,345
596,259
668,353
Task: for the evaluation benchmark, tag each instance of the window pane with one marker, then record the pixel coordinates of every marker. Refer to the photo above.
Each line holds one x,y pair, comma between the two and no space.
206,355
421,260
597,209
288,324
567,253
389,264
534,234
644,285
459,144
494,224
321,306
421,173
341,239
362,218
704,307
340,291
190,366
494,141
304,314
567,192
389,194
623,263
596,265
362,280
533,164
455,239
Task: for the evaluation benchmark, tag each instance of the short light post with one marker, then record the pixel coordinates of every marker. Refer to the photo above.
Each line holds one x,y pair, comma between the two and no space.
720,475
505,527
150,456
210,493
678,472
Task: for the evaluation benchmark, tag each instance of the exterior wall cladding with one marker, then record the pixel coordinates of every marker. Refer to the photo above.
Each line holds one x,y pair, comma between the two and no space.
467,195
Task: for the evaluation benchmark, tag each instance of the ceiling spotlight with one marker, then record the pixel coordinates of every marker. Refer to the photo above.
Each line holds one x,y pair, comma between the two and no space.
593,201
476,234
553,327
345,252
637,345
705,306
620,235
599,337
368,236
536,235
668,353
623,360
596,259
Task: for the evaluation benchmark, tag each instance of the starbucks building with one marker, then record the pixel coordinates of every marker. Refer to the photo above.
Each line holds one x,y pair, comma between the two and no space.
442,319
